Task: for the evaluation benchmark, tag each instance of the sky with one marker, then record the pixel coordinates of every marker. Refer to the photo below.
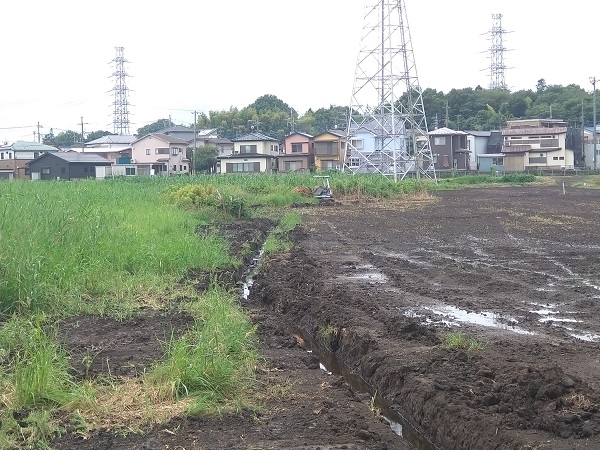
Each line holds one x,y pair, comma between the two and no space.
204,55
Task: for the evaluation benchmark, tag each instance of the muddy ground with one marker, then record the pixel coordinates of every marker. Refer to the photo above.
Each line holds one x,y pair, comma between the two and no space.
373,288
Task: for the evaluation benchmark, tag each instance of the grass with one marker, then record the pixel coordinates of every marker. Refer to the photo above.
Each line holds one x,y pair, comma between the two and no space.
278,240
460,341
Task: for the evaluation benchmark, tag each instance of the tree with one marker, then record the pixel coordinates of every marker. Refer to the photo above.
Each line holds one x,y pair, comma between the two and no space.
154,127
204,159
63,139
96,135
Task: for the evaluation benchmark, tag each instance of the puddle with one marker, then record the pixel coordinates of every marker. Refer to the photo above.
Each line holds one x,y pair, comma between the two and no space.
368,272
251,273
486,319
332,365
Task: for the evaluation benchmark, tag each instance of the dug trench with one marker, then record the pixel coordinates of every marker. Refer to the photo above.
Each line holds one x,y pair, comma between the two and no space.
354,290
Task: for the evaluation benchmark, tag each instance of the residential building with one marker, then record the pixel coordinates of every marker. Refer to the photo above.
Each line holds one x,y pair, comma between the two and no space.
588,139
491,162
252,152
371,148
114,147
14,158
330,150
477,144
178,131
224,146
160,154
298,153
450,149
65,166
536,144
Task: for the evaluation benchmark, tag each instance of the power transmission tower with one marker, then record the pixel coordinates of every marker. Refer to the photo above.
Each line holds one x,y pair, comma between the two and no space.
496,53
387,100
120,103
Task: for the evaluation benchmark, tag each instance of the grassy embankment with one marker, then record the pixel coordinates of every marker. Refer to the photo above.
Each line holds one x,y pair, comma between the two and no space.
108,248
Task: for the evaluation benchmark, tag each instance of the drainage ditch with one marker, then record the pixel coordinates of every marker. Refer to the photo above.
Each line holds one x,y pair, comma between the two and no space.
330,363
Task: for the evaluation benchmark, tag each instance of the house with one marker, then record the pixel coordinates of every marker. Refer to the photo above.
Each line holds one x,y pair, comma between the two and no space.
298,153
536,144
65,166
14,158
588,151
159,154
178,131
330,150
477,144
114,147
224,146
491,162
252,152
450,149
373,146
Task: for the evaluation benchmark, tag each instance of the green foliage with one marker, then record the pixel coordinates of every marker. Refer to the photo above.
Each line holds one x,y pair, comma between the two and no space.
278,241
215,360
94,244
204,158
97,135
63,139
153,127
464,180
459,341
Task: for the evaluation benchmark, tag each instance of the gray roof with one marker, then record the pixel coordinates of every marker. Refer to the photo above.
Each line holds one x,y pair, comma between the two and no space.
22,146
246,156
216,140
444,131
300,133
479,133
251,137
112,139
165,138
176,129
76,157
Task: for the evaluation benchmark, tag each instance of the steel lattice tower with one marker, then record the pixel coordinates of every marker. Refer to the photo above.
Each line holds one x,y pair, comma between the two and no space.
120,103
387,101
496,50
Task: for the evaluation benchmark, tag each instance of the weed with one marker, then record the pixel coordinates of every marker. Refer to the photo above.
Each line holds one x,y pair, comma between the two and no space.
460,341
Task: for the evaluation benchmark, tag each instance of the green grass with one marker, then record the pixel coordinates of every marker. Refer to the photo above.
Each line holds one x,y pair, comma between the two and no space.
460,341
277,240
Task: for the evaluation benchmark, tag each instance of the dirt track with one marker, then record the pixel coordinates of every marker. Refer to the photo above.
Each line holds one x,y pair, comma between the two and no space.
378,285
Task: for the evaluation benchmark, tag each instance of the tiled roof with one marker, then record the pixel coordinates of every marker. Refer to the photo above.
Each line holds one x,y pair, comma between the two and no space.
112,139
251,137
165,138
300,133
22,146
516,148
479,133
76,157
176,129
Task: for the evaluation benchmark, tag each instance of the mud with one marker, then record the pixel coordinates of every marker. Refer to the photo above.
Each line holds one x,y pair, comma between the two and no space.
379,285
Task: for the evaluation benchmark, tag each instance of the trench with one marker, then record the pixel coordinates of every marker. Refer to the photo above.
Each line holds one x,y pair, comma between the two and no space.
399,423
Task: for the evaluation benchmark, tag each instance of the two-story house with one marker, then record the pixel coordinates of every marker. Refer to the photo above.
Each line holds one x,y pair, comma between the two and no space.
477,144
252,152
533,144
330,150
449,149
114,147
157,154
298,153
14,158
372,147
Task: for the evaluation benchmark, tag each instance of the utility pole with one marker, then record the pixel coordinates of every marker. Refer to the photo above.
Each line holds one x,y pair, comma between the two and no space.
447,115
582,134
593,81
38,131
194,149
82,140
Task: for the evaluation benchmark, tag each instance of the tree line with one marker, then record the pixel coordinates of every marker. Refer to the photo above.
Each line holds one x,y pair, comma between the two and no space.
460,109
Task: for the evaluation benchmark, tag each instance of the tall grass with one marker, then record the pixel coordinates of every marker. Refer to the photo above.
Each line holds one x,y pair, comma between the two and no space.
65,243
215,360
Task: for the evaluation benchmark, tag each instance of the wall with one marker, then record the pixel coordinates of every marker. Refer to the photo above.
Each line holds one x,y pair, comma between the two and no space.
264,163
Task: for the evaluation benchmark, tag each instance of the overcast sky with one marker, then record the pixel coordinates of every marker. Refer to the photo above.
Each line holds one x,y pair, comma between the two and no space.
204,55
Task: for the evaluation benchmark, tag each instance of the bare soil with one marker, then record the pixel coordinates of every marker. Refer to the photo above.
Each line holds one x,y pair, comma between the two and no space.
372,289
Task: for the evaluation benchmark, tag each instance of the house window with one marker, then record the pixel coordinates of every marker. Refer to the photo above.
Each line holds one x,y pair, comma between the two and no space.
2,155
36,154
243,167
297,148
46,170
26,170
185,168
63,170
353,162
290,166
561,158
328,164
130,170
164,167
439,140
275,148
174,167
498,161
175,151
248,148
9,155
161,151
555,158
358,144
181,167
147,151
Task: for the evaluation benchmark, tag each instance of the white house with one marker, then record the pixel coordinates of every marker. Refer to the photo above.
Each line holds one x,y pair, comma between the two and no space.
252,152
159,154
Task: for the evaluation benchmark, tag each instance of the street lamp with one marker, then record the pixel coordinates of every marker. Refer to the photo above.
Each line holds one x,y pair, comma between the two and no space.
593,81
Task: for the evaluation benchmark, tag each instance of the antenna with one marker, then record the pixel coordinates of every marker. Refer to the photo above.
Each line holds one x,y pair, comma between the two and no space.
386,77
120,103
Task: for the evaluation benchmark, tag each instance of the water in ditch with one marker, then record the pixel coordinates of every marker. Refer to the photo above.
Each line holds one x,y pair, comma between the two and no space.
331,365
